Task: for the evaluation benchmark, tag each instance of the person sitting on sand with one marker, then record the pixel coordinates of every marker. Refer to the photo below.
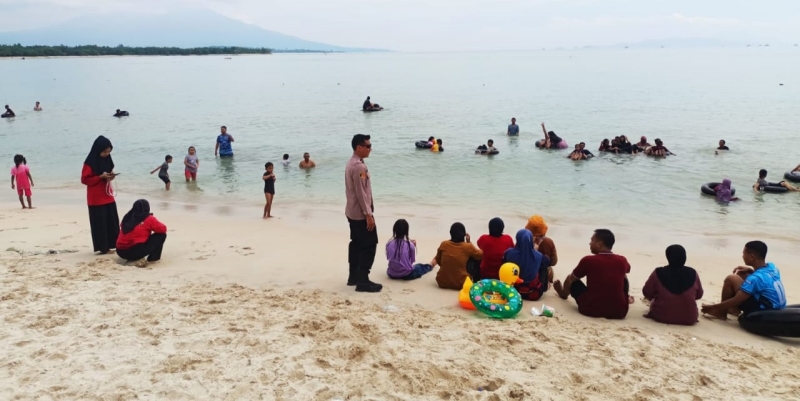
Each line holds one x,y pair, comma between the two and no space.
673,290
141,237
307,162
534,268
513,128
724,192
762,182
494,246
9,112
751,288
37,107
401,252
544,244
659,150
605,293
452,258
437,147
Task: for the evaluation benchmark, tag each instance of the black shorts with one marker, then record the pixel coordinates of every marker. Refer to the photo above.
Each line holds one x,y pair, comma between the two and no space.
749,306
164,178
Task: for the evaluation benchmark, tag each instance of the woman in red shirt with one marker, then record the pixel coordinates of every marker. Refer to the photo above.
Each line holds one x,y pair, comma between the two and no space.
494,246
141,235
97,174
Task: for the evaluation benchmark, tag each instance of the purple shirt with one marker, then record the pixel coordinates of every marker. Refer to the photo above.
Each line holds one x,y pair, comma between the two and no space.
400,265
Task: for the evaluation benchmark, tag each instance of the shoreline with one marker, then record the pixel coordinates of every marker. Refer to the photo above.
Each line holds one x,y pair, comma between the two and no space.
240,307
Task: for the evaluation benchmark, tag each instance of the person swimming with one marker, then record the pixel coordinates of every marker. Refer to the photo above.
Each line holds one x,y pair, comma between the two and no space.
437,147
486,149
369,106
121,113
8,113
659,150
37,107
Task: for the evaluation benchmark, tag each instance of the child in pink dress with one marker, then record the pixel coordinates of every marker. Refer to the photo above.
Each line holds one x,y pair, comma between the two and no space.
22,175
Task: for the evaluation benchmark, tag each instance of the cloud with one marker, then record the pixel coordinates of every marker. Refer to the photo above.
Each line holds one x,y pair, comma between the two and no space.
460,24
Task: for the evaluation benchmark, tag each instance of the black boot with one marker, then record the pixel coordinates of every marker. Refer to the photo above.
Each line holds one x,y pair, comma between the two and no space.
364,285
352,279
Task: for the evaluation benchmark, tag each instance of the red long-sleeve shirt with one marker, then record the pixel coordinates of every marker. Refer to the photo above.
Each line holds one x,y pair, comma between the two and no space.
140,233
95,188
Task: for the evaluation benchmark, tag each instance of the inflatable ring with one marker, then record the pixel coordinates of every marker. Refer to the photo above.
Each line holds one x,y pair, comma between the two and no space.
774,189
793,176
485,153
775,323
495,298
423,145
5,115
708,189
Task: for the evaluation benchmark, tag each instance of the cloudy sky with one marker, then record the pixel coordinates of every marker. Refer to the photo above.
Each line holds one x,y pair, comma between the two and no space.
431,25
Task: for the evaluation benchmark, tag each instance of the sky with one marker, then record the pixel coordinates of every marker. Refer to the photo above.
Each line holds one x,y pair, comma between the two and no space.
462,25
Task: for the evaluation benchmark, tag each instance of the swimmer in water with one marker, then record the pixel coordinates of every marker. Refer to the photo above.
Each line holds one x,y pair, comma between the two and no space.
307,163
437,147
762,182
121,113
577,154
9,112
37,107
659,150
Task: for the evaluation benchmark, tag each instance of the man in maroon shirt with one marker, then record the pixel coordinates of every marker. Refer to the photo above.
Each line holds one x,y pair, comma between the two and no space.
605,293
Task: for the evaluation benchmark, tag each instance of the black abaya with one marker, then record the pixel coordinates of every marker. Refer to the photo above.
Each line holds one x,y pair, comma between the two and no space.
105,226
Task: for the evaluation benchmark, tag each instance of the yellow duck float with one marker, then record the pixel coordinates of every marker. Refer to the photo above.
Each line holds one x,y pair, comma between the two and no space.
509,274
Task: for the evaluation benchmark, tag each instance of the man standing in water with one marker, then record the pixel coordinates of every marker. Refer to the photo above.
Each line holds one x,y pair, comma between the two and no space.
513,128
359,209
307,162
224,148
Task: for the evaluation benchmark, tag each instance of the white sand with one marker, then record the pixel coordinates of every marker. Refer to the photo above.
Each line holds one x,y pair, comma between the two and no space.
241,308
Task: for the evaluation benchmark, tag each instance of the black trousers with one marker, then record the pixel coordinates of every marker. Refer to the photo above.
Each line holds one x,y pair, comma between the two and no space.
152,249
105,226
362,247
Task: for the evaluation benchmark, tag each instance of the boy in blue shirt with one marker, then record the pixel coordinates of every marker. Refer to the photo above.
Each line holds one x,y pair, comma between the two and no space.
750,288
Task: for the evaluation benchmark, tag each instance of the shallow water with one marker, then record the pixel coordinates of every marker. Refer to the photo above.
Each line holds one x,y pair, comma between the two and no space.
295,103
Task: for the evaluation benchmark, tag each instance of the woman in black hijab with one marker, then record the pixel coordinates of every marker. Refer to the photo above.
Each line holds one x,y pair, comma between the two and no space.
673,290
97,174
142,235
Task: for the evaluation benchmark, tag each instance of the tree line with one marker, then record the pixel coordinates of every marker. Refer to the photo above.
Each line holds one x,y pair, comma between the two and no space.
18,50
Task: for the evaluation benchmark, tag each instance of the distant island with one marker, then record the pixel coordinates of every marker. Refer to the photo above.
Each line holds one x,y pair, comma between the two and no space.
92,50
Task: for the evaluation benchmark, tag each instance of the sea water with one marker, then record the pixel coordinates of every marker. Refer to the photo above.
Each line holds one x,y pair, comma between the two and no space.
312,103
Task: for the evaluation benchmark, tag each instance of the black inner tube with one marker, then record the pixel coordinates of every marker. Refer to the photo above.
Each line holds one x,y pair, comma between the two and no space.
792,176
708,189
777,323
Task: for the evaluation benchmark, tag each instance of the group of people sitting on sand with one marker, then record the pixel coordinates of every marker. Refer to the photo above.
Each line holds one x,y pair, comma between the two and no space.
671,291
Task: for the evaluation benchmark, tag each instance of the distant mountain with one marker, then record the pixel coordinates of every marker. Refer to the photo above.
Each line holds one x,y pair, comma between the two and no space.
188,28
680,43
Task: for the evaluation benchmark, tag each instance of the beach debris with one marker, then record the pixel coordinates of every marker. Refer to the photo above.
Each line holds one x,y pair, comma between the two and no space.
391,308
546,311
32,253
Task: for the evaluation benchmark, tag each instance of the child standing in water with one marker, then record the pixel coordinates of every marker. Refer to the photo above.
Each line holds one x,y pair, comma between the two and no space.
192,163
162,171
269,188
22,174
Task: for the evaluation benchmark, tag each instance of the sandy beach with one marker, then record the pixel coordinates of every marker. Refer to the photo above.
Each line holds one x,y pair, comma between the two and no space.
241,308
